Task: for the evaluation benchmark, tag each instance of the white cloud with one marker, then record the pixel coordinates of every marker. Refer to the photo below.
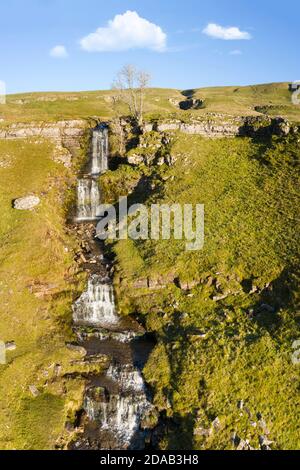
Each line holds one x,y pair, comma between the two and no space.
228,34
127,31
59,52
235,52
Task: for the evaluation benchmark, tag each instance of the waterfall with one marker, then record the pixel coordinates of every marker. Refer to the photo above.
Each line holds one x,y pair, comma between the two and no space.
96,306
119,414
88,200
100,150
120,406
127,377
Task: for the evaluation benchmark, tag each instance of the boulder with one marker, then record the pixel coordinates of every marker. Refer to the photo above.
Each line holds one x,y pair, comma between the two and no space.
34,391
282,127
265,443
147,127
141,284
10,346
216,424
135,159
76,348
186,285
157,284
62,155
27,203
244,445
200,431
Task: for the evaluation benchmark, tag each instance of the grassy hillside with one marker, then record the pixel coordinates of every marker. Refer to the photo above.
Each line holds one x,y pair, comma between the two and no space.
55,106
273,99
227,339
228,314
37,286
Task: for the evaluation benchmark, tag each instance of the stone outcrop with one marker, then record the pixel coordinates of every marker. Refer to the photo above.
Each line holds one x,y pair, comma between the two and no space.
58,131
188,104
42,291
186,285
217,126
65,134
135,159
156,138
265,126
191,103
34,391
153,283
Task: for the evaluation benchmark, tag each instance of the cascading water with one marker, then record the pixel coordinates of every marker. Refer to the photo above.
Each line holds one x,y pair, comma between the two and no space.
96,306
88,200
128,377
100,149
120,415
116,402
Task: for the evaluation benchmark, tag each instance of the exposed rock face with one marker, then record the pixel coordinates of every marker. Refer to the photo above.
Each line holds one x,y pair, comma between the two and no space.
63,155
63,133
186,285
42,291
191,103
208,127
26,203
264,126
218,126
55,130
135,159
159,283
154,149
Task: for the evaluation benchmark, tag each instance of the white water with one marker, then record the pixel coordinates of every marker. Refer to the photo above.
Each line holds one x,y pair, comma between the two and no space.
100,149
123,337
96,306
127,377
120,414
88,200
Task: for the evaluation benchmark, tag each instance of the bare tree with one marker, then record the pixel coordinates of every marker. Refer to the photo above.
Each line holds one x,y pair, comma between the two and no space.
118,129
130,87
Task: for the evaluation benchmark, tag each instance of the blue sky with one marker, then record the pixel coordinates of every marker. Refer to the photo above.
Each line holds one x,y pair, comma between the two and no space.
50,45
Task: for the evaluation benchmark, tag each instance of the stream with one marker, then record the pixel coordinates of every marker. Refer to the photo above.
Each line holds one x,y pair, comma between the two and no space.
117,404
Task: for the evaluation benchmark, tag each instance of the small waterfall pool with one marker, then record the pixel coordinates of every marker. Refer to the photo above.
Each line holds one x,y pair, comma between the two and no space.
117,404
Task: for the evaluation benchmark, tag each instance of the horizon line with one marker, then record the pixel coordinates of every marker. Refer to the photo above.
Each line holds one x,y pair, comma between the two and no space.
151,88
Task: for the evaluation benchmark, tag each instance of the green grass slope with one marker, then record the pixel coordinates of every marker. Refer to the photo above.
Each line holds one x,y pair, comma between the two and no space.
211,354
228,339
36,256
273,99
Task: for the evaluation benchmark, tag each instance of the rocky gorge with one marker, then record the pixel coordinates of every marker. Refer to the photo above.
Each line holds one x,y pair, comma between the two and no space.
117,410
